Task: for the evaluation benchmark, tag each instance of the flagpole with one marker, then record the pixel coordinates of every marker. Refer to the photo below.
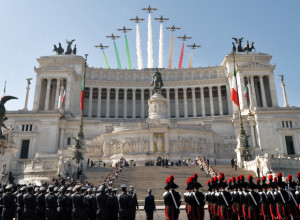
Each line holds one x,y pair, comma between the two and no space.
242,133
80,133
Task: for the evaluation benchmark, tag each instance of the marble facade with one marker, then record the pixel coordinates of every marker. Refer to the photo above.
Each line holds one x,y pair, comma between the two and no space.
198,116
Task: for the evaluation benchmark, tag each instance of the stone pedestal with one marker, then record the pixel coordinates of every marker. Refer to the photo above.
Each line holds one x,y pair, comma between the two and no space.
242,152
157,110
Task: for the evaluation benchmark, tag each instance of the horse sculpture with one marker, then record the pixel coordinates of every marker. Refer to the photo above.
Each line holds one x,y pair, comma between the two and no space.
157,82
239,43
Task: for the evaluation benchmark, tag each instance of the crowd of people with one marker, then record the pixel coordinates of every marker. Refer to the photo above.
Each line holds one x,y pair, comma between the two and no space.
236,199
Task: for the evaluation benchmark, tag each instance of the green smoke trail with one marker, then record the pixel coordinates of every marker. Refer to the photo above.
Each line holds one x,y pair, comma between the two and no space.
128,54
117,55
106,63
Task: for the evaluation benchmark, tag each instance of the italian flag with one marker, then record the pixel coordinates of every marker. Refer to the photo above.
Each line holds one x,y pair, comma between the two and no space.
4,91
246,92
64,96
82,91
234,92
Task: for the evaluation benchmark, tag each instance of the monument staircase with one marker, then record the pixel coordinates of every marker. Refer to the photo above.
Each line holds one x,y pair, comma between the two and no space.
154,177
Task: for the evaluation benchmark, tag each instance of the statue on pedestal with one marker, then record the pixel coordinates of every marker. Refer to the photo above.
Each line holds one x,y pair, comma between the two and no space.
2,113
157,82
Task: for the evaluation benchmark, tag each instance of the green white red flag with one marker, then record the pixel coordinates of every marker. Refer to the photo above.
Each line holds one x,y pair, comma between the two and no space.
246,92
3,91
234,92
82,90
64,96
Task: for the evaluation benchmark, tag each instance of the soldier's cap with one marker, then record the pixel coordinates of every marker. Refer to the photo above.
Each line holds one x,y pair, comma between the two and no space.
70,188
95,189
77,187
51,187
149,190
89,190
42,189
9,187
62,189
56,189
114,190
23,188
36,189
101,188
131,187
123,186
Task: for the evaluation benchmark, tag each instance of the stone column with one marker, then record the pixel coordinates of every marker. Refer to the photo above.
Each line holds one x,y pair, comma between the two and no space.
273,90
125,104
61,139
250,93
133,103
194,103
241,90
90,102
68,94
47,94
116,103
150,92
26,99
185,103
168,102
142,104
37,96
254,103
286,104
176,103
220,100
229,102
202,102
252,124
107,102
56,95
262,89
99,103
212,110
61,94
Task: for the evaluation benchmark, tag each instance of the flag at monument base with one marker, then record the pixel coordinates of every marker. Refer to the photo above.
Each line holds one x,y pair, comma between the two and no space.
82,91
234,92
246,92
64,96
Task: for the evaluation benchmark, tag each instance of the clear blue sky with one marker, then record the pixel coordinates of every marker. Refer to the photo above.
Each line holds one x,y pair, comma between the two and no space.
30,28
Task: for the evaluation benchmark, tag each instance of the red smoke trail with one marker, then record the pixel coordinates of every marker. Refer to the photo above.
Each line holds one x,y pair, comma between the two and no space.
181,56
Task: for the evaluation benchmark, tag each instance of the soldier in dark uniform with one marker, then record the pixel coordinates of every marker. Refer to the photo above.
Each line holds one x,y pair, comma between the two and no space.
79,205
224,199
199,201
36,191
214,198
282,199
101,199
51,204
9,204
149,205
91,204
29,204
62,203
172,199
41,204
55,190
188,199
1,202
252,201
69,207
208,200
294,205
115,205
271,197
124,204
297,197
264,207
133,203
20,203
242,207
108,203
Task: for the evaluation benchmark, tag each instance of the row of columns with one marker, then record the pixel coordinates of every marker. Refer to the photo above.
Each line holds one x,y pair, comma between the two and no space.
58,93
116,103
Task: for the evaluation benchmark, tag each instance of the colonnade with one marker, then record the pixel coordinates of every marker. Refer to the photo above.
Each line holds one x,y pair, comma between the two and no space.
133,102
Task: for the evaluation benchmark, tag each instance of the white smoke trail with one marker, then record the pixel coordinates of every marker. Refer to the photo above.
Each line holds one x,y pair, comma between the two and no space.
150,46
161,48
138,48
